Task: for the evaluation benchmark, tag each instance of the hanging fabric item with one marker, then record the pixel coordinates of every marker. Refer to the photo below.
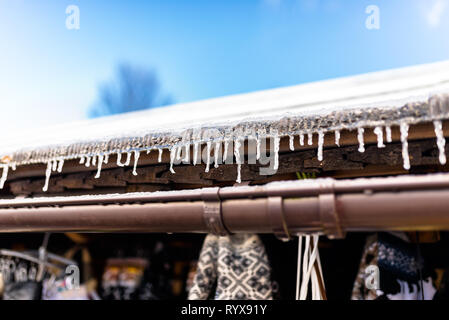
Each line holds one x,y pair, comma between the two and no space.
399,271
309,266
237,265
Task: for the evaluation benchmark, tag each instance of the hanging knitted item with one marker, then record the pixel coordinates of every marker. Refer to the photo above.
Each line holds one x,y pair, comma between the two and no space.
236,266
399,270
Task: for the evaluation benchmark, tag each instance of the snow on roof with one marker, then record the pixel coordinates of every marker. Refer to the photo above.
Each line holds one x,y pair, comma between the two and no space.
411,95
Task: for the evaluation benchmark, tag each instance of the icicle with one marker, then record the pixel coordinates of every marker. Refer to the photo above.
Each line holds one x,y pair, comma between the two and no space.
82,159
136,159
292,145
128,158
208,145
337,137
172,158
301,139
187,156
178,153
159,159
4,175
380,137
320,145
106,158
360,132
47,175
404,135
13,166
60,165
87,164
225,150
94,160
237,159
310,138
388,132
54,165
195,153
217,153
441,141
257,148
119,159
100,163
148,151
276,152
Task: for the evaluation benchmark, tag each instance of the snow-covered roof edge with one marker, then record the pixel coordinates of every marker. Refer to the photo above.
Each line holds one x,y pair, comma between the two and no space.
408,95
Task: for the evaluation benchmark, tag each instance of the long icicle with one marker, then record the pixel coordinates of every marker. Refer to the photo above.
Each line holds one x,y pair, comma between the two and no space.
47,176
159,159
337,137
217,153
404,135
208,146
441,141
388,134
225,152
172,158
178,153
310,138
292,145
136,159
320,145
187,155
195,153
277,141
237,145
360,132
380,137
258,143
100,163
301,139
54,166
4,175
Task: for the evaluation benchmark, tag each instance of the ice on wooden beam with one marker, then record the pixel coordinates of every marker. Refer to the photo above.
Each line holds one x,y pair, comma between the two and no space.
441,141
404,135
360,132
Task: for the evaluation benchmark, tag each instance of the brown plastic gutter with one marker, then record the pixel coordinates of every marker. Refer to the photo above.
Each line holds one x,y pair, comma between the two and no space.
283,208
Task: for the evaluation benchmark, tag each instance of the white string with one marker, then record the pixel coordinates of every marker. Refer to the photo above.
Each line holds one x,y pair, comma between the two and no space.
307,276
311,268
298,270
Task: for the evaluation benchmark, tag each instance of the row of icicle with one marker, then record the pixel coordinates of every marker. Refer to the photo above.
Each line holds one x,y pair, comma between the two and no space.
175,152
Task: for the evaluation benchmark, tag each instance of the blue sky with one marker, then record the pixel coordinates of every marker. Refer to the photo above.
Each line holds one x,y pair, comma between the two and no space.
200,49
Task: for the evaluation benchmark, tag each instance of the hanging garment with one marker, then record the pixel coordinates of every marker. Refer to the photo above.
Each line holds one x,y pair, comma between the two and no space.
28,290
398,271
236,266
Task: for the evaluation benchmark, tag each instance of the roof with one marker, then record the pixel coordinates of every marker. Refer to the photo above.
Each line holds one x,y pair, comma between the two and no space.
412,95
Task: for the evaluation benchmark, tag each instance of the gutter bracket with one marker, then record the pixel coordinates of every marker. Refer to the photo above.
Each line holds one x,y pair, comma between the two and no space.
212,213
329,213
277,217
